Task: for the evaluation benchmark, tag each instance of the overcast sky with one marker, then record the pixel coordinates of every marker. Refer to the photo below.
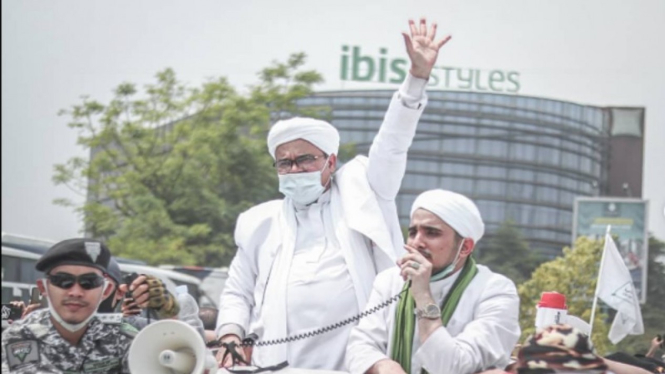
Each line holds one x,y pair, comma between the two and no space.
53,51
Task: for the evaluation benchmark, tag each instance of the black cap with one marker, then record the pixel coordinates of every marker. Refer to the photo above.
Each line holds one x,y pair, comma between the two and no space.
84,252
114,271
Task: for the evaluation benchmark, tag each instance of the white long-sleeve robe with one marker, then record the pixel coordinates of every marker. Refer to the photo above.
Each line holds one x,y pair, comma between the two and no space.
481,333
366,229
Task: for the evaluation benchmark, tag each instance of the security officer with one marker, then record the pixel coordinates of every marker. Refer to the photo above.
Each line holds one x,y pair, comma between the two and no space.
66,337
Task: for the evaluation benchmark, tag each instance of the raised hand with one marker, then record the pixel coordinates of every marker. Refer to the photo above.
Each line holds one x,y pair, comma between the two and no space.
422,48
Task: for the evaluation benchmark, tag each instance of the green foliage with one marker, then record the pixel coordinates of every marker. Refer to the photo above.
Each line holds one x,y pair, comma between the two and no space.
347,151
171,168
653,311
507,253
573,275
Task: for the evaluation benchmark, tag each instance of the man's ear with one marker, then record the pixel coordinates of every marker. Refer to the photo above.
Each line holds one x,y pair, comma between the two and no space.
467,247
41,286
109,288
333,162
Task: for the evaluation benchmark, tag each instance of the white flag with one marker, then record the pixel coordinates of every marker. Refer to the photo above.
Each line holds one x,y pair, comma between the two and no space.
617,290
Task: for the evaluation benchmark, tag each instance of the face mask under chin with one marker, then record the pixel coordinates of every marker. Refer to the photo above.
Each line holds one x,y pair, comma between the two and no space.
72,327
448,269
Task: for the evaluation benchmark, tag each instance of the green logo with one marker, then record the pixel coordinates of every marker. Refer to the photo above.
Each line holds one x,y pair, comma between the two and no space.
21,350
356,66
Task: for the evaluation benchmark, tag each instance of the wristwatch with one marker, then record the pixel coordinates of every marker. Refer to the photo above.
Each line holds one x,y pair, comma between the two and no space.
429,311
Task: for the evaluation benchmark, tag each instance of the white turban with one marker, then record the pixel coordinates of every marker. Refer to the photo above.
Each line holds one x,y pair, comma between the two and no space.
457,211
320,133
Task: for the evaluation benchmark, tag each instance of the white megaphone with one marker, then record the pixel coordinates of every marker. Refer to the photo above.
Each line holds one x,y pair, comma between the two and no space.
169,347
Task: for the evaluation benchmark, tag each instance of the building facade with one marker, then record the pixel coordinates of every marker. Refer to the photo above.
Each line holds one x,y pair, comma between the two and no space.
523,159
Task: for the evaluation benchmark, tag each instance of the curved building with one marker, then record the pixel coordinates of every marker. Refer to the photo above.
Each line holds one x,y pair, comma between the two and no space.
519,158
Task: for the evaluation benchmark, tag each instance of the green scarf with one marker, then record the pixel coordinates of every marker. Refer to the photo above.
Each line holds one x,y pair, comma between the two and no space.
405,319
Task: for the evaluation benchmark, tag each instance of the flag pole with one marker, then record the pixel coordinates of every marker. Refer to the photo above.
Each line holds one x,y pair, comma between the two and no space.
600,273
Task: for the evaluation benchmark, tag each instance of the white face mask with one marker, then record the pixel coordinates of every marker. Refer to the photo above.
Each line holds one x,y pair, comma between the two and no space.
303,188
449,269
71,327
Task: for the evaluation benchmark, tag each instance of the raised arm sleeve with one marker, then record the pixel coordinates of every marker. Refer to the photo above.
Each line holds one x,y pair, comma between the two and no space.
387,155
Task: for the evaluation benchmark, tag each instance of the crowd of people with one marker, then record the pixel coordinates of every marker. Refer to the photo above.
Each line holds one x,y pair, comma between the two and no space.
322,277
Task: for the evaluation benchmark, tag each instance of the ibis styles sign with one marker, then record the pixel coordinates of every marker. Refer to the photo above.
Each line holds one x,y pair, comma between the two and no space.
356,65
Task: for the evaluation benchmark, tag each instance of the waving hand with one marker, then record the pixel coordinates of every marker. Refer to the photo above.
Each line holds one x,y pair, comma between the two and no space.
422,47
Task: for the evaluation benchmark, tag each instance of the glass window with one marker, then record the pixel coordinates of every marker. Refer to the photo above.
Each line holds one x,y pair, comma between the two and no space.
463,169
456,169
491,171
28,272
569,160
546,155
405,203
521,174
548,178
492,148
492,211
596,168
520,151
585,164
547,194
10,269
489,187
586,188
421,182
522,191
459,185
566,220
567,197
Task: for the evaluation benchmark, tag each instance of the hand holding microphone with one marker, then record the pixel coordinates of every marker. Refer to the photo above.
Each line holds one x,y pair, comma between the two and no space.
418,269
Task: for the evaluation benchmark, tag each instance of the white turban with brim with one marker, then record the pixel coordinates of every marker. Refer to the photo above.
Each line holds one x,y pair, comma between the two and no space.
320,133
456,210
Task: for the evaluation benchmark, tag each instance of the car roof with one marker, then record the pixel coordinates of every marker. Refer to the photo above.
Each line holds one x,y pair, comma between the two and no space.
26,243
40,246
160,272
194,267
19,253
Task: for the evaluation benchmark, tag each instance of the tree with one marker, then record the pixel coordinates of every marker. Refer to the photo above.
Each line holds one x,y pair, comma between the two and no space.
573,275
170,170
507,253
653,311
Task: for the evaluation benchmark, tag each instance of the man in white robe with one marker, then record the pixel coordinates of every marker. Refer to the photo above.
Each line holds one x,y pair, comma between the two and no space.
474,329
309,260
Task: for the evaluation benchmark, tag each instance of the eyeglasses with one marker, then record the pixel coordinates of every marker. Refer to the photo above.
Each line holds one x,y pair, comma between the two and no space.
304,162
87,281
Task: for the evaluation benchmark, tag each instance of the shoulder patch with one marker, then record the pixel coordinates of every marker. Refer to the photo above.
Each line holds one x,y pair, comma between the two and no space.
128,329
22,352
38,330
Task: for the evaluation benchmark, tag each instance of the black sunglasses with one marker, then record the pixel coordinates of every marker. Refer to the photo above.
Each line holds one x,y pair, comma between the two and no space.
87,281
